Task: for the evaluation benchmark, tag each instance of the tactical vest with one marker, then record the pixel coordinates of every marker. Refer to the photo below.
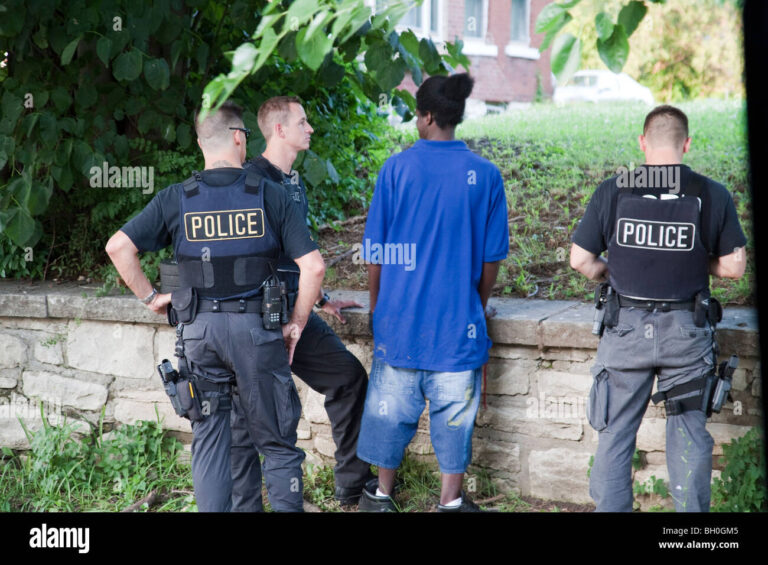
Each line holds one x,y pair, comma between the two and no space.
656,251
226,247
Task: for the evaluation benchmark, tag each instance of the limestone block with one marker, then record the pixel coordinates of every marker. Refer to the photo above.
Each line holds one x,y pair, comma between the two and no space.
652,434
559,474
125,350
13,351
63,390
530,419
49,350
131,410
509,376
314,411
496,455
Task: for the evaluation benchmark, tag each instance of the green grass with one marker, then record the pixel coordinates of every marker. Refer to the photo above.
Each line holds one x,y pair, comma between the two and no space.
76,468
552,159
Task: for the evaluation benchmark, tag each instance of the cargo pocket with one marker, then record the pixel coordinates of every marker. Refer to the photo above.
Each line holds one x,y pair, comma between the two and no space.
195,345
597,406
287,404
260,336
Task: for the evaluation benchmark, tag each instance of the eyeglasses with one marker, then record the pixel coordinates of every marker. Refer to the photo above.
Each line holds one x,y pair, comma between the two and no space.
246,131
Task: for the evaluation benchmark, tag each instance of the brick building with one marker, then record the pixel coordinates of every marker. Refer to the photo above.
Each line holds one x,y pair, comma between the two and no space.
498,39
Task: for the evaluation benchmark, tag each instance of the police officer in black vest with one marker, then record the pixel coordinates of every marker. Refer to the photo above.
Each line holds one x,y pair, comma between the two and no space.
228,229
666,229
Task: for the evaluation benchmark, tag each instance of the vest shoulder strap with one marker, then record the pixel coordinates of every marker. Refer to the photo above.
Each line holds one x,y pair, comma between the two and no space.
253,181
190,185
696,187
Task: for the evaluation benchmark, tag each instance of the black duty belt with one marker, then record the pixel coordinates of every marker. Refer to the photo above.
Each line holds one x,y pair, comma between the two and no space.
650,305
244,305
249,306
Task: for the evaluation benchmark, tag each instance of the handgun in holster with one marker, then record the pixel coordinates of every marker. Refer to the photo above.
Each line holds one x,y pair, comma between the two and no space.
606,309
717,389
182,392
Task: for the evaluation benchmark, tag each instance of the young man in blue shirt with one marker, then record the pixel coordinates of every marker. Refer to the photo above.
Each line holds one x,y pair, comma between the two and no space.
436,232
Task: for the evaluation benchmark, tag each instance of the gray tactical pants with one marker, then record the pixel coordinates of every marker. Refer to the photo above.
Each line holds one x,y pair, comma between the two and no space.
221,346
641,345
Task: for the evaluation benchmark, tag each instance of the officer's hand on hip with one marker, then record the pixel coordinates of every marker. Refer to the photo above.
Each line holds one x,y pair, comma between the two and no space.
160,303
291,335
334,308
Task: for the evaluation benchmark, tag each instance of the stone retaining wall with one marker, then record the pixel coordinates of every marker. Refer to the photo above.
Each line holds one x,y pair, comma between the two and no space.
79,354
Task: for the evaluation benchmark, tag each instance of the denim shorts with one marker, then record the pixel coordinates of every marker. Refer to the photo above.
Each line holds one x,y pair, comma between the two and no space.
394,402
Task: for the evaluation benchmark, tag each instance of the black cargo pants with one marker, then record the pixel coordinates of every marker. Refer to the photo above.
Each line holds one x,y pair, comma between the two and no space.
220,346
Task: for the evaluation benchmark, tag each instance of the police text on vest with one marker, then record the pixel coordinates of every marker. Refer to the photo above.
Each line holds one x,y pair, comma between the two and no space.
51,537
224,224
648,234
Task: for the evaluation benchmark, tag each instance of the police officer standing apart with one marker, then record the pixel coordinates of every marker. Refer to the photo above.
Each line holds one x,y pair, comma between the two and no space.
227,229
321,360
666,229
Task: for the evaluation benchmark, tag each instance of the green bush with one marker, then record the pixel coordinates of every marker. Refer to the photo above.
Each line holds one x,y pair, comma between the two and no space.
741,485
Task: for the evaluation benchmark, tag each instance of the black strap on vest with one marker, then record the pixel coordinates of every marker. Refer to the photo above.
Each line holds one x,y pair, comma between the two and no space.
190,185
253,182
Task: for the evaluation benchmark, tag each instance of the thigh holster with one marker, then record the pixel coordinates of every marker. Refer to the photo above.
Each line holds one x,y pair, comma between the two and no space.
674,404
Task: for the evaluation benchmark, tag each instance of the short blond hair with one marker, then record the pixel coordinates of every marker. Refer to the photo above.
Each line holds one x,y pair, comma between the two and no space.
275,111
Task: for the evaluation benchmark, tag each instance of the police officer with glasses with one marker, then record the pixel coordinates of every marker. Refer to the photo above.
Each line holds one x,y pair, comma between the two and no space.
228,228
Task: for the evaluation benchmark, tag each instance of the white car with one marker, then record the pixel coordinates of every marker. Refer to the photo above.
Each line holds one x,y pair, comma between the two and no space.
602,86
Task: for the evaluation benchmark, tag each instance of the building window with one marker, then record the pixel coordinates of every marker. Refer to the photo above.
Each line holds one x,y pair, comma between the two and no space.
434,16
474,19
423,20
519,45
520,21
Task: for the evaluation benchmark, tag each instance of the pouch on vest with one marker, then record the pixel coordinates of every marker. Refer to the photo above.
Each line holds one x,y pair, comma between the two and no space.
184,302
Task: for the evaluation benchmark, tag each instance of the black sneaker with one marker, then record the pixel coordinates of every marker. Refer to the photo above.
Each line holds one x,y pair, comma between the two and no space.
369,502
347,496
466,505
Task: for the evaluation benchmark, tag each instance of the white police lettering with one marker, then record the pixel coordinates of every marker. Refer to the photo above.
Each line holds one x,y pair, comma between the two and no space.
662,236
45,537
224,224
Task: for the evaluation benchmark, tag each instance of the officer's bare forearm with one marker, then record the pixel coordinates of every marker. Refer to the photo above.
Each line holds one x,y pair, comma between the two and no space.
374,277
588,264
125,256
312,271
487,280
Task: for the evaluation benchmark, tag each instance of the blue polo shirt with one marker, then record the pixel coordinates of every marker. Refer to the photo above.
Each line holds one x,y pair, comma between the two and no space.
437,214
